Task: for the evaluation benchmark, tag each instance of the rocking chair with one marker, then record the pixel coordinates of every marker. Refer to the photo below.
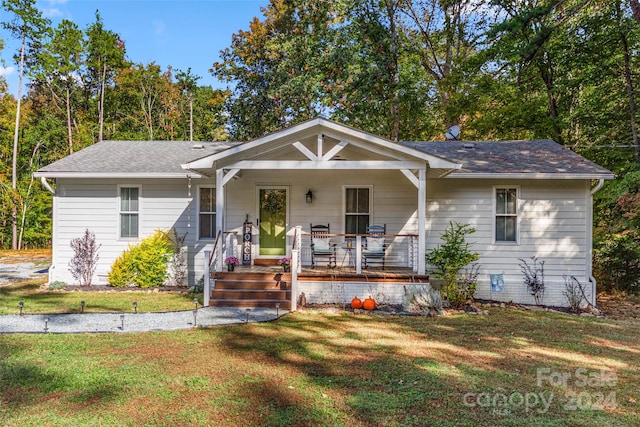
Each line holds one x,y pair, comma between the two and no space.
375,245
321,245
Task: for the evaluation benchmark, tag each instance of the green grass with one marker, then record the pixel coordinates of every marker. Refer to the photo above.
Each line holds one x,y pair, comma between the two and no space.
37,300
320,369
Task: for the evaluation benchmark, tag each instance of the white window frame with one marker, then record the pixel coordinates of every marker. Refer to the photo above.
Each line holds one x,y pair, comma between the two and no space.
214,213
121,212
516,215
344,204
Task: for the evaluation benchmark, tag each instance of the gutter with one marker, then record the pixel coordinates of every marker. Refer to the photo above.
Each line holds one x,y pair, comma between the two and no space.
598,186
46,185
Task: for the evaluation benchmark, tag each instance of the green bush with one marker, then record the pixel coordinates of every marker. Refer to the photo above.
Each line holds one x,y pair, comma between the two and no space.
145,264
449,261
57,285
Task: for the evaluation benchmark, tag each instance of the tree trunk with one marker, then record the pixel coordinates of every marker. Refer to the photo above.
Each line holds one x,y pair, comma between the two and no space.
101,103
635,8
630,93
392,6
14,166
69,133
190,119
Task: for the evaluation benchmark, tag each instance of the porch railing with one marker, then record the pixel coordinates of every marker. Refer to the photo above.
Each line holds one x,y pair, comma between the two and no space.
358,246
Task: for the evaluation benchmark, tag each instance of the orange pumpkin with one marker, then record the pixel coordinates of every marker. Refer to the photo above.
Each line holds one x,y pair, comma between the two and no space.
369,304
356,303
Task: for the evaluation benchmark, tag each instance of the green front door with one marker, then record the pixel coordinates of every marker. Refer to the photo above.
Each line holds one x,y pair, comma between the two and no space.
273,221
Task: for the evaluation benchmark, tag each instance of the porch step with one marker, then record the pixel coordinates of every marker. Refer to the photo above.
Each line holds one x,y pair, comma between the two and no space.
240,289
284,305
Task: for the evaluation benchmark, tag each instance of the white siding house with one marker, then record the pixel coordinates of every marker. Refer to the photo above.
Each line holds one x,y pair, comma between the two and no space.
524,198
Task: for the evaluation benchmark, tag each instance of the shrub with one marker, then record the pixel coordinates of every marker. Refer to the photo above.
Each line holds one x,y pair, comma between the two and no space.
145,264
449,261
574,292
534,278
422,299
57,285
85,257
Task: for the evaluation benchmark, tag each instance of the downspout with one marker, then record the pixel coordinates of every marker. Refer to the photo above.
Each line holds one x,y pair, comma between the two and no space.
46,185
598,187
592,279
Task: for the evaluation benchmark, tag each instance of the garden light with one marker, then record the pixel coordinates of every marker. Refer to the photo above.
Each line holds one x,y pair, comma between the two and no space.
122,321
82,304
135,307
277,310
46,325
21,306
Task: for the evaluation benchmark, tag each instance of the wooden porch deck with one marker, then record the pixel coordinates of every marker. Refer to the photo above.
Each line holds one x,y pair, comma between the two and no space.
268,285
323,273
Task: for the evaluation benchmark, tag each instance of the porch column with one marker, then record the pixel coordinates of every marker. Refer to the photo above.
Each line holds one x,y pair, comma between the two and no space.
422,219
220,214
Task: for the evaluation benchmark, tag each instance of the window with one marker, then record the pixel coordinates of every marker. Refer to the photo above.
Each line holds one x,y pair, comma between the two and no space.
207,213
357,210
129,212
506,215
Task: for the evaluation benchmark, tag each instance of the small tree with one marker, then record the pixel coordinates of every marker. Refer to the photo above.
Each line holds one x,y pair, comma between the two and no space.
449,261
534,278
85,257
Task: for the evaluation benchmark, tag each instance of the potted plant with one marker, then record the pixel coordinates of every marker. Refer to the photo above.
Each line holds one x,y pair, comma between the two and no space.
285,263
231,263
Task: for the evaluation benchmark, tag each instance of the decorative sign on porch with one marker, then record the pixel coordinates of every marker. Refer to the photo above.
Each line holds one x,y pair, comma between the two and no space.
246,243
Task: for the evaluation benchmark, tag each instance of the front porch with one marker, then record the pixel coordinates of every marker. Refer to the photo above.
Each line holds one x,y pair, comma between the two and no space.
269,286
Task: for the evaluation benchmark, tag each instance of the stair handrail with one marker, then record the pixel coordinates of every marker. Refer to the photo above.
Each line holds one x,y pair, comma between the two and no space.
214,252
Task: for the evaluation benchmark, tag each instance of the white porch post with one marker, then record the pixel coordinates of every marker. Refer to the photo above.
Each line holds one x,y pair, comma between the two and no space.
220,213
422,219
294,279
358,254
206,292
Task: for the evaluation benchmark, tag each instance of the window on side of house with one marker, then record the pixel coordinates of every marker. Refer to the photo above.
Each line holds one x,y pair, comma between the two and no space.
506,208
129,212
207,213
357,213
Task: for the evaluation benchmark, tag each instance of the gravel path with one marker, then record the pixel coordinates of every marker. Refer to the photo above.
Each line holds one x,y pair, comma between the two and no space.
133,322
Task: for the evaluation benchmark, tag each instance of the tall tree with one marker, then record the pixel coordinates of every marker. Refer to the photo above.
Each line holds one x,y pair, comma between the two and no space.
58,68
28,26
105,56
188,85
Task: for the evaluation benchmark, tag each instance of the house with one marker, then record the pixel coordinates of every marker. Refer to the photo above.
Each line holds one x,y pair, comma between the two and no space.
524,198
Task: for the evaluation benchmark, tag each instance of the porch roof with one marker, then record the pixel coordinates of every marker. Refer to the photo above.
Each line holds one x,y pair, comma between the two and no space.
323,144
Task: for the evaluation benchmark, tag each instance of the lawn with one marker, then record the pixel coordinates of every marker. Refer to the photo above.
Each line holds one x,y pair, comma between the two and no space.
331,368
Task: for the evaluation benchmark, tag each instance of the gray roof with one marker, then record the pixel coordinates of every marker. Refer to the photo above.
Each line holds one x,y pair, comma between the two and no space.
536,157
150,157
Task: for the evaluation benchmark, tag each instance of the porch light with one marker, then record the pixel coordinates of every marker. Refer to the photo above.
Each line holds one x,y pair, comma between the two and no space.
309,196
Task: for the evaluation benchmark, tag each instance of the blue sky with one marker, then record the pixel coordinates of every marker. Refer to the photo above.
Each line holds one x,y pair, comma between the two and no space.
180,33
